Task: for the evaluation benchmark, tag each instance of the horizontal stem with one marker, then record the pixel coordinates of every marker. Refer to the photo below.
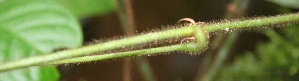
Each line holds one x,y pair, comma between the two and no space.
201,44
254,23
150,51
186,31
174,33
242,24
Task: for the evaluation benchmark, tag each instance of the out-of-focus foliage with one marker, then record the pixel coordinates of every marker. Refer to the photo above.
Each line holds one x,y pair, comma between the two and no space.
32,27
87,8
286,3
276,60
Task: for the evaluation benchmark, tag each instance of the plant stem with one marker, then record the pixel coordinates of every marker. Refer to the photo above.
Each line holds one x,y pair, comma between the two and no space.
254,23
179,32
122,54
125,13
186,31
191,47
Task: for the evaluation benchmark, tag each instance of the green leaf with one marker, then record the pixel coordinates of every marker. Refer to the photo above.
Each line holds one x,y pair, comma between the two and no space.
286,3
87,8
32,27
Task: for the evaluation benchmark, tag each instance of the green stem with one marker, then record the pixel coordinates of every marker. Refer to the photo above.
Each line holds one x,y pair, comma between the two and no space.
189,47
254,23
186,31
124,54
179,32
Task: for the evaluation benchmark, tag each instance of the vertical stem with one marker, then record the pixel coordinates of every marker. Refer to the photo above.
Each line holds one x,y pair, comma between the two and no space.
128,22
127,69
123,8
131,22
130,32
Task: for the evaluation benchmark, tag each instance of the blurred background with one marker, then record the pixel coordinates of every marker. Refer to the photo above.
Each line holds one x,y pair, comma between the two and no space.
251,55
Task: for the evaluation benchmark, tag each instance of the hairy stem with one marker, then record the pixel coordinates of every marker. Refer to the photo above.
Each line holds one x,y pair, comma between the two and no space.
155,36
186,31
254,23
123,54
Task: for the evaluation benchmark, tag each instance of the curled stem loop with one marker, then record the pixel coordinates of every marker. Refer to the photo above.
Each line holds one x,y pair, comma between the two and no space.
202,40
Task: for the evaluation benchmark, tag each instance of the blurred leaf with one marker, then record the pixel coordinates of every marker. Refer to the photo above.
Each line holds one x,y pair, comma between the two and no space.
276,60
32,27
87,8
287,3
